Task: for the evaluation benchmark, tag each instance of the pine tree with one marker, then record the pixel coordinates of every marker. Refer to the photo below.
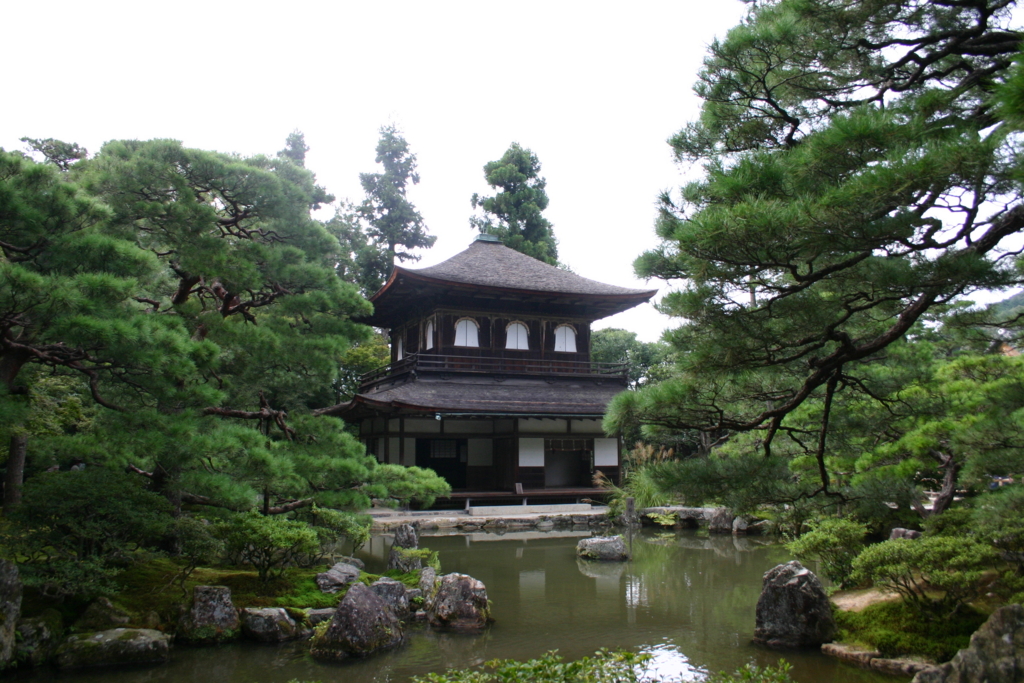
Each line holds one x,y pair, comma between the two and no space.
393,220
514,212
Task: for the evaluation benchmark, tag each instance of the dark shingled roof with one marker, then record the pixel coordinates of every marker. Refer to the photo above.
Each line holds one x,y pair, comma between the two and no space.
488,267
492,264
485,395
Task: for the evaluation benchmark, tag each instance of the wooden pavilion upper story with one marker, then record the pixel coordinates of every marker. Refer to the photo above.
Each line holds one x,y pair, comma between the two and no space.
490,382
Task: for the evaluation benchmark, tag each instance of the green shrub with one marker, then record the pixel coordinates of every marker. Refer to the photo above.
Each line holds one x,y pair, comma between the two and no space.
835,543
603,667
895,629
268,543
999,519
754,674
936,576
74,531
958,521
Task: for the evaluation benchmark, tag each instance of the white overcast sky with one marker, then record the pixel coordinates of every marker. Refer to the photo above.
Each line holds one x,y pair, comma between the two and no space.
593,88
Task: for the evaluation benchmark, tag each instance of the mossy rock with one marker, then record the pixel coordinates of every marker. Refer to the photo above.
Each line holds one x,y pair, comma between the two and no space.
114,647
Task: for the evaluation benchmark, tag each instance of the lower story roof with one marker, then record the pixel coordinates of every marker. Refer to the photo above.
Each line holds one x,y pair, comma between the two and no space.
484,396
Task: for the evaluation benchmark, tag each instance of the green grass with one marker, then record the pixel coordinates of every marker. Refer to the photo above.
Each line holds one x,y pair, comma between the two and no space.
895,630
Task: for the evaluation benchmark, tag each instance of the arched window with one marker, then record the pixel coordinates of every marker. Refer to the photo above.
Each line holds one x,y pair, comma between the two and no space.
467,332
565,339
517,337
428,335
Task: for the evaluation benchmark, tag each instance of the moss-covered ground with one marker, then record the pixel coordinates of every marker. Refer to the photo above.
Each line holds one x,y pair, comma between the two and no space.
896,629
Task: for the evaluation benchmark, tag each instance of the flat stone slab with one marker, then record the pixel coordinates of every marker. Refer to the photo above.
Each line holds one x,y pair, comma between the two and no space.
515,510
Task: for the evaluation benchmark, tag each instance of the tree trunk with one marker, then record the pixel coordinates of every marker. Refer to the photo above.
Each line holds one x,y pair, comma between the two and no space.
15,471
948,490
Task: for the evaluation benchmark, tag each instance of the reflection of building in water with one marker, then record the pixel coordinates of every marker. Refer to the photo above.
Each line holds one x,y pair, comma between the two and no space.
531,584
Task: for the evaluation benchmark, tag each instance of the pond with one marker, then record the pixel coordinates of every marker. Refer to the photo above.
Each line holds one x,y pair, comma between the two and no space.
685,598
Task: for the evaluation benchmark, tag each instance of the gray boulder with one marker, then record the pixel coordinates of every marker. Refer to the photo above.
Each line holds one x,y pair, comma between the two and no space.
603,549
740,526
10,610
793,610
393,594
38,638
102,615
460,604
406,537
210,618
362,625
354,561
720,521
899,532
428,577
996,653
337,577
114,647
271,625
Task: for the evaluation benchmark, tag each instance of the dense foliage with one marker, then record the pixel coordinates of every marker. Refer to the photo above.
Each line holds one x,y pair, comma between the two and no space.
175,321
859,174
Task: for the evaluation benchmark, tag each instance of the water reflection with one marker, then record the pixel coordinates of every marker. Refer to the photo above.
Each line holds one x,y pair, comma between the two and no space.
686,599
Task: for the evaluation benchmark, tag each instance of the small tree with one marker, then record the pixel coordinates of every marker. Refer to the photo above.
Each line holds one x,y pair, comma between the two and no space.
936,576
835,543
269,544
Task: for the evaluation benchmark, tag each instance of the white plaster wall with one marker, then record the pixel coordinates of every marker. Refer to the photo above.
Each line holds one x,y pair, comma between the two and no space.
481,452
606,452
531,452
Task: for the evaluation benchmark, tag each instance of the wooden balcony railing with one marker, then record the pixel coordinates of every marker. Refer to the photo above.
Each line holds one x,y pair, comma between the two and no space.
546,367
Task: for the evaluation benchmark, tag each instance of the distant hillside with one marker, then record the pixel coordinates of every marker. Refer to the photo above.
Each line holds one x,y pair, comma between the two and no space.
1007,305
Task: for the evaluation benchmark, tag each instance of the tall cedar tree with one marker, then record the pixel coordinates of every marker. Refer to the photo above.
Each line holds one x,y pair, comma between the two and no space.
393,220
514,212
857,174
198,299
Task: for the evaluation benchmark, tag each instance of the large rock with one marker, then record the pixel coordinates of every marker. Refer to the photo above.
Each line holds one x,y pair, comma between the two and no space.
406,537
793,610
102,615
996,653
10,610
460,604
720,521
337,577
362,624
271,625
211,618
603,548
393,594
38,638
114,647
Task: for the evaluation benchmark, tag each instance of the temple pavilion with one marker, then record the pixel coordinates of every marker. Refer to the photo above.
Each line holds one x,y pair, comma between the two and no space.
490,382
